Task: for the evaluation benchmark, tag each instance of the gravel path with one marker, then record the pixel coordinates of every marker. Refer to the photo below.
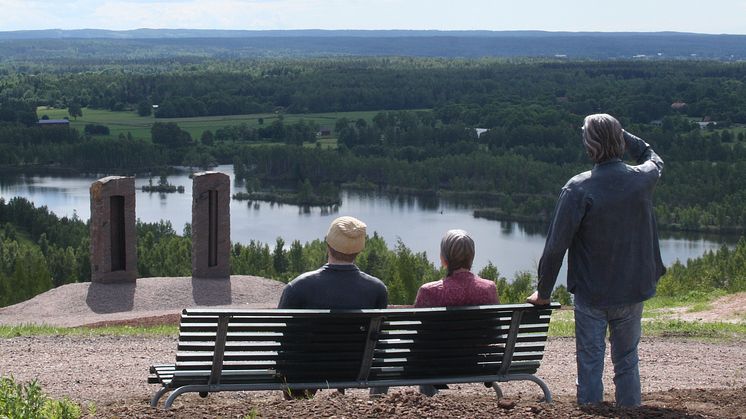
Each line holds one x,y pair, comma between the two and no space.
112,370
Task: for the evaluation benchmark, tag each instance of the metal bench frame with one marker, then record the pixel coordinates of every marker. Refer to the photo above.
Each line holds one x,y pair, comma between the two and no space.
169,375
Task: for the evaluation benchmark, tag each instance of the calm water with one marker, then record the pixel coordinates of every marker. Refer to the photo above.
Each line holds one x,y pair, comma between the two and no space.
418,223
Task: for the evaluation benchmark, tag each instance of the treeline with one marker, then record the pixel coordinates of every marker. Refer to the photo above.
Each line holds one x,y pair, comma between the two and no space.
642,91
415,152
722,270
39,251
168,145
509,174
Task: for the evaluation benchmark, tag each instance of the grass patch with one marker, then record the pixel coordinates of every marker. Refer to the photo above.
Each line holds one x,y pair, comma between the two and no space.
43,330
679,328
561,328
324,143
666,328
123,122
689,299
563,325
699,307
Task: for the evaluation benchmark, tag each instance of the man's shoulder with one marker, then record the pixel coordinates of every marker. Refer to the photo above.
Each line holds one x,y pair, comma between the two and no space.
372,279
578,180
305,277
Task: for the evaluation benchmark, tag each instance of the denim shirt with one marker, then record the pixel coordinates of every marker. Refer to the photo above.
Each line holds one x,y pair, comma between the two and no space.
605,218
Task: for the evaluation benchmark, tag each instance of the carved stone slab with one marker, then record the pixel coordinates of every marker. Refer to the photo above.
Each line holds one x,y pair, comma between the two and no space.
211,225
113,230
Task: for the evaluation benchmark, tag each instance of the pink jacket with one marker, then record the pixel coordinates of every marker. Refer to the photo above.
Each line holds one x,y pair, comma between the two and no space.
460,289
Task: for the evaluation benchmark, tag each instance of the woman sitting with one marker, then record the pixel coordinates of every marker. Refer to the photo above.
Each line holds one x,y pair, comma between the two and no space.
460,287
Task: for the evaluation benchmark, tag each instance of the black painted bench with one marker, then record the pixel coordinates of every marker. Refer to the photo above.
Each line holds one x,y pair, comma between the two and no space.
242,350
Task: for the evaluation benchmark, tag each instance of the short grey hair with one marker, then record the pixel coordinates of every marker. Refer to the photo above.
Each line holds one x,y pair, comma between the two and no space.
457,249
342,257
603,137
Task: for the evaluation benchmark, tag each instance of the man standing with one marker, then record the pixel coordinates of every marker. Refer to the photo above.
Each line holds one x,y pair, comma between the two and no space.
339,283
605,218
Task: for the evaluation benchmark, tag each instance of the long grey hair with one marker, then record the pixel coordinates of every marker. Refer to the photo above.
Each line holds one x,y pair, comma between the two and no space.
603,137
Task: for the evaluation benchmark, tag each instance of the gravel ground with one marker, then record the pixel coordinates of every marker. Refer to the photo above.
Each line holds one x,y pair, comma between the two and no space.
110,372
680,377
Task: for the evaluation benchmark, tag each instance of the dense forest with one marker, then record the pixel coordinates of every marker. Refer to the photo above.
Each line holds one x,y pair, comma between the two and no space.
502,135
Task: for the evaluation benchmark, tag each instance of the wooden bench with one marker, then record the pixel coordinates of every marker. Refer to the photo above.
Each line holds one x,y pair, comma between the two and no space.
241,350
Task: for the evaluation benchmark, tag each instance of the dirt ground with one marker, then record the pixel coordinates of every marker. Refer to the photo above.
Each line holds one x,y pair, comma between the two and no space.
107,375
680,378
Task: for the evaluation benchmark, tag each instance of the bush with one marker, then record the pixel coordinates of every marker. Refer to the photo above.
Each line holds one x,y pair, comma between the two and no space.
96,129
562,295
28,402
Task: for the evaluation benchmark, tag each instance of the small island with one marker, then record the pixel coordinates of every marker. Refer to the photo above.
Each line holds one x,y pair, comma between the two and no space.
305,195
161,187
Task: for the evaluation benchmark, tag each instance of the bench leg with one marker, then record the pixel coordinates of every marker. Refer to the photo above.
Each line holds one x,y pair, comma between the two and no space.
544,388
535,379
181,390
157,396
498,390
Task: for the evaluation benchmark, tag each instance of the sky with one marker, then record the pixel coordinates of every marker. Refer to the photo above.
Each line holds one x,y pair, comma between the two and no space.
714,16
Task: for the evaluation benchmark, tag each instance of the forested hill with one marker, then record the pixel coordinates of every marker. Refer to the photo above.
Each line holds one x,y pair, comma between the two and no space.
158,43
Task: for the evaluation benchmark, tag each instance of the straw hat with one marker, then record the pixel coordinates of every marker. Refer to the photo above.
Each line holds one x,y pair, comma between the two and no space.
346,235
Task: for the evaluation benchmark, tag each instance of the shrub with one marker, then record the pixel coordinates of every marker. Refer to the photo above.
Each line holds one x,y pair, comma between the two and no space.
96,129
562,295
27,401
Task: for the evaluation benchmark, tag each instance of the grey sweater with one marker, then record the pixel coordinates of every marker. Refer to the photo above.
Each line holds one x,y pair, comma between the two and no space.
335,287
605,218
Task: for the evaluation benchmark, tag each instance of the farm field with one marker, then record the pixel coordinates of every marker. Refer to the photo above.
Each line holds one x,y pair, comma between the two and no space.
122,122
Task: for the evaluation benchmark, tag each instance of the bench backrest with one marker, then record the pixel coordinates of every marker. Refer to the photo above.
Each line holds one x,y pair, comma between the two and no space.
317,346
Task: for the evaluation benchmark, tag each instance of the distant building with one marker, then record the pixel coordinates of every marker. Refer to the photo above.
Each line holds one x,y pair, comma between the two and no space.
54,122
324,132
678,105
704,124
481,131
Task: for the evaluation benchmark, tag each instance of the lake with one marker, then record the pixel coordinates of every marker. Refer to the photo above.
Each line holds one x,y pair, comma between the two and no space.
419,223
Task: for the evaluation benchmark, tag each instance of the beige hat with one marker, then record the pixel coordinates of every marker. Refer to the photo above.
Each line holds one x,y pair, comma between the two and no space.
346,235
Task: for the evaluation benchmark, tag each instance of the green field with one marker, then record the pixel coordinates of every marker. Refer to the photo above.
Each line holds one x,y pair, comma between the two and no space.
123,122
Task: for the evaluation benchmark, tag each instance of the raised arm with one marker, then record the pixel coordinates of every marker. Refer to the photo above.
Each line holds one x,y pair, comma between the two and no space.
642,152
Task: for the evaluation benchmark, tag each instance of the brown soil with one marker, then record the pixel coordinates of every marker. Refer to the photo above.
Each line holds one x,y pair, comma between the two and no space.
729,308
680,377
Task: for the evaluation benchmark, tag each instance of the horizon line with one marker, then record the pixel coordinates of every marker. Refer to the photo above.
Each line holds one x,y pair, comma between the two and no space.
381,30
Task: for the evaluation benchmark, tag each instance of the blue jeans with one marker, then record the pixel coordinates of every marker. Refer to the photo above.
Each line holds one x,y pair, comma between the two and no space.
590,343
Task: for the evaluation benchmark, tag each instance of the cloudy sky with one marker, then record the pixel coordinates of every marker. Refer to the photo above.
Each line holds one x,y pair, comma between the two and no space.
715,16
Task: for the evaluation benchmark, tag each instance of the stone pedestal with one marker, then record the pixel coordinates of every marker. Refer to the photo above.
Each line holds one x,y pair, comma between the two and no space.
211,225
113,230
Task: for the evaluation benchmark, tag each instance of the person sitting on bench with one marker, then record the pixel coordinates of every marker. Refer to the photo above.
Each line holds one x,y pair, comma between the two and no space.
339,284
460,287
